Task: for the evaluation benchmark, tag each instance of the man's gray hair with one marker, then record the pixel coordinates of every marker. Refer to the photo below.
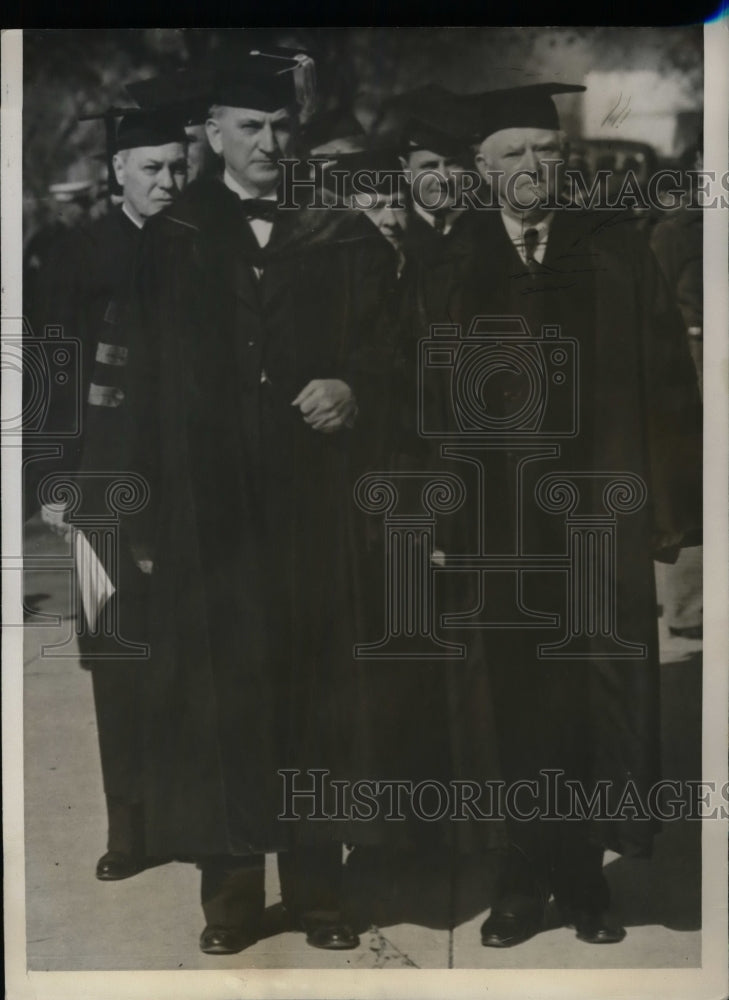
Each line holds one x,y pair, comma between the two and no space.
484,147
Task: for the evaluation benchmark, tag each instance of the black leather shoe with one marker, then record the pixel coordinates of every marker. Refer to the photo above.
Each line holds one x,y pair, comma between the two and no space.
503,929
331,934
332,937
596,927
114,865
226,940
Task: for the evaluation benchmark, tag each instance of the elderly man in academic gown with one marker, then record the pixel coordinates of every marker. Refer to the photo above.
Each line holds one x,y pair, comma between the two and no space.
82,289
614,436
255,361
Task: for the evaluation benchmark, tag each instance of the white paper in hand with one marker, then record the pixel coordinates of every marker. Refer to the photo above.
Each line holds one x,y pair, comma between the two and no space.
93,582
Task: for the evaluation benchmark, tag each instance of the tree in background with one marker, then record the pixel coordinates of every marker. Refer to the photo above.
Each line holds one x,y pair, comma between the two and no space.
70,73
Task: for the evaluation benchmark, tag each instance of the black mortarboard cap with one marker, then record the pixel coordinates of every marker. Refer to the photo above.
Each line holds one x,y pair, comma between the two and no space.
379,161
377,158
181,93
431,117
148,128
530,106
334,133
258,81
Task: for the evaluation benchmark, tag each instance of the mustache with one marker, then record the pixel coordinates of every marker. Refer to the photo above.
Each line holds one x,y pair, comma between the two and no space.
532,177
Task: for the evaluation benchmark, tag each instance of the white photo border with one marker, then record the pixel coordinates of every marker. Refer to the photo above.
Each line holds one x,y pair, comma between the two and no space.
709,981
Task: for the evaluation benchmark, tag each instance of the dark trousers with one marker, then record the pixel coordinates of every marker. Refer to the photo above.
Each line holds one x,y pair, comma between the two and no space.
232,887
117,689
559,859
117,686
311,879
542,719
232,890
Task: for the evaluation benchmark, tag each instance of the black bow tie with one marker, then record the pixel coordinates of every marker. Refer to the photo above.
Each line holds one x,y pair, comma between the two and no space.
259,208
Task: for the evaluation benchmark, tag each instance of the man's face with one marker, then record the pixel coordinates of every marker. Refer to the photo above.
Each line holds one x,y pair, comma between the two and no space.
434,182
389,218
151,176
252,143
516,153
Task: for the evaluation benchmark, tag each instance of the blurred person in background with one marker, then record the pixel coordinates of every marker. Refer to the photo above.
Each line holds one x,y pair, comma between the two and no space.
678,243
69,204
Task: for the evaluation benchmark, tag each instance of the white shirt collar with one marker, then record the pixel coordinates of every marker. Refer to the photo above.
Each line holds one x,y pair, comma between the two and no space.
430,217
262,228
243,192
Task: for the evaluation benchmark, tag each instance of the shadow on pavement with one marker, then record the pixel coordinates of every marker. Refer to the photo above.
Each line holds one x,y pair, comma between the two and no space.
442,890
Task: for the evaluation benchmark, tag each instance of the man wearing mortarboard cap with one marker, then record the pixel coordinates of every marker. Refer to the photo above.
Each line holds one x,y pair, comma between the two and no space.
83,291
621,406
433,151
440,228
434,154
254,355
178,94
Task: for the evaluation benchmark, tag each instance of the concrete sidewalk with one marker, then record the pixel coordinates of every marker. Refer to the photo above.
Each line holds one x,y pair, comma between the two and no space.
412,912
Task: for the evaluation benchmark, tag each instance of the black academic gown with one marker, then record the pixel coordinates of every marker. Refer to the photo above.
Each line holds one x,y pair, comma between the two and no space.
78,297
250,523
429,719
634,416
81,292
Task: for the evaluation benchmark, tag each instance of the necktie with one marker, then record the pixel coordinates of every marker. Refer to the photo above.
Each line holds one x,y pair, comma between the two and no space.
439,223
259,208
531,242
